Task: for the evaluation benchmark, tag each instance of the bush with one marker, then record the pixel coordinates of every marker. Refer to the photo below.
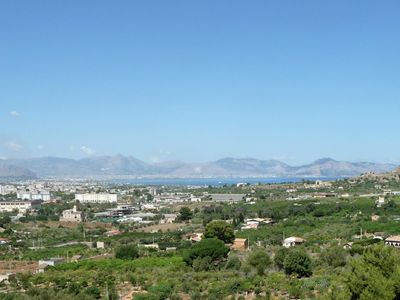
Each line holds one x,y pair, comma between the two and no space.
162,290
202,264
260,260
280,256
127,252
334,257
213,248
233,263
298,262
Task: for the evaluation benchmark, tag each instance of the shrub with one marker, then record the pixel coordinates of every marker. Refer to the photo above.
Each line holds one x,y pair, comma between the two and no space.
213,248
334,257
260,260
298,262
280,256
233,263
127,252
202,264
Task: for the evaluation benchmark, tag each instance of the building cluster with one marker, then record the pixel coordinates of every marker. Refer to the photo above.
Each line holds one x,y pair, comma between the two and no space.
97,198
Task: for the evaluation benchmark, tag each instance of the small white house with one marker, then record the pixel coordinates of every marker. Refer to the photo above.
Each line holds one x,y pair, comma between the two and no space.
380,201
292,241
393,241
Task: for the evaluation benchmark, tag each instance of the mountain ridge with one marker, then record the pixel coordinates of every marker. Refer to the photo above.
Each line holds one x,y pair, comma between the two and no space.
120,165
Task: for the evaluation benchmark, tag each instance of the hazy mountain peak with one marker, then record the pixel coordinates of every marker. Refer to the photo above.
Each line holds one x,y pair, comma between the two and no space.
324,160
228,166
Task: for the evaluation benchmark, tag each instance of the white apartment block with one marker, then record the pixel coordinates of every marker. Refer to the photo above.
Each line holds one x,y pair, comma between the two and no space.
44,196
7,189
97,198
9,206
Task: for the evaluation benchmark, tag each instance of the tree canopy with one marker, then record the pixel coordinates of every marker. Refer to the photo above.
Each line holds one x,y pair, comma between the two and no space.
298,262
127,252
185,213
221,230
260,260
376,274
214,249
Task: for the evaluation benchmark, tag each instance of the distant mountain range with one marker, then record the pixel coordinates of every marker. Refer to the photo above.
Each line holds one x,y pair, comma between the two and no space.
120,165
9,171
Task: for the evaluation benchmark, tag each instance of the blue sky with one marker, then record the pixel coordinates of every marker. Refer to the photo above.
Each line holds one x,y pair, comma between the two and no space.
200,80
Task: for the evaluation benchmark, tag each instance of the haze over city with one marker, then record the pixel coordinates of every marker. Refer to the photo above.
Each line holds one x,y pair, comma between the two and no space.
199,81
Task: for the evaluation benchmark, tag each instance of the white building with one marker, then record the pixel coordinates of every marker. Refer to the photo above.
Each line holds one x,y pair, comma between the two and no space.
97,198
380,201
393,241
292,241
9,206
72,215
7,189
44,196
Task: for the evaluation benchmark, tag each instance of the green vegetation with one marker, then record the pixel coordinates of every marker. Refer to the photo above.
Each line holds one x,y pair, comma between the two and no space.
260,260
127,252
220,230
185,214
340,259
211,251
298,262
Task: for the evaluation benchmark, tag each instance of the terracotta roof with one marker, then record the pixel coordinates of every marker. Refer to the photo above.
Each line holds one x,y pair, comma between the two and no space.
393,238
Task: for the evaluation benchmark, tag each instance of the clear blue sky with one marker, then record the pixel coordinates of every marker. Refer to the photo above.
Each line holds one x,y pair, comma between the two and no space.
201,80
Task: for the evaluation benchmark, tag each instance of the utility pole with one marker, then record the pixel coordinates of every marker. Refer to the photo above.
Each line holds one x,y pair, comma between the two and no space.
107,294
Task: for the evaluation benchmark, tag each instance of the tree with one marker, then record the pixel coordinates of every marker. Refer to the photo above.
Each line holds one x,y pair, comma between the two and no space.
221,230
213,248
375,275
233,263
5,219
334,256
127,252
298,262
185,213
260,260
280,256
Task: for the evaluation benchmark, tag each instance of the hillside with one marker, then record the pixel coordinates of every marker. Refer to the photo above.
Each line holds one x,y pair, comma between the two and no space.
120,165
11,172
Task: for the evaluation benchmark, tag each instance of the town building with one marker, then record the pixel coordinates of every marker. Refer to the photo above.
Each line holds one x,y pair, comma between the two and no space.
7,278
240,244
20,206
72,215
194,237
292,241
40,195
97,198
168,219
227,197
393,241
374,218
7,189
380,202
44,264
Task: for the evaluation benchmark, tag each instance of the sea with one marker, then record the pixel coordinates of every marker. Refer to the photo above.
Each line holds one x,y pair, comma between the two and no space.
216,181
